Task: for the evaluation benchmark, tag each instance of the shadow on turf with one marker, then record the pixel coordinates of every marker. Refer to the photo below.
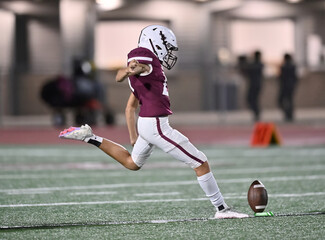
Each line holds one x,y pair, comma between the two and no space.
80,224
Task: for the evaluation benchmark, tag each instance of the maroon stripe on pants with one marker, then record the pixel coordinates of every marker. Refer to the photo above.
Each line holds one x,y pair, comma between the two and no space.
176,144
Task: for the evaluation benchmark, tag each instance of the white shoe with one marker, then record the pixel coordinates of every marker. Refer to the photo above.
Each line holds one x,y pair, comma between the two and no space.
77,133
227,213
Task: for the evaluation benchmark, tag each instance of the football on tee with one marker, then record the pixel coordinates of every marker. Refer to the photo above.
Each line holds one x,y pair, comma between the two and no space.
257,196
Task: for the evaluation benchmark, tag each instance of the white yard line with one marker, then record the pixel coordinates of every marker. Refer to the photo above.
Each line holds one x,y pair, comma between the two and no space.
156,194
86,153
37,152
150,200
29,192
93,193
177,172
297,194
279,195
101,202
123,185
104,186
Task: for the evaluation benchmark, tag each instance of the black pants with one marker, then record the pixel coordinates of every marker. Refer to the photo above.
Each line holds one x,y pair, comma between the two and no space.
253,101
286,104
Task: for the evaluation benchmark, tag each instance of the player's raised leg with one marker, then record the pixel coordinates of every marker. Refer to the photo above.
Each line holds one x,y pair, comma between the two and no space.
119,153
114,150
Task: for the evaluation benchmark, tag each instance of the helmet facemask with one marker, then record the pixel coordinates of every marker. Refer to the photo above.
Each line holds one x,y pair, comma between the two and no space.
170,59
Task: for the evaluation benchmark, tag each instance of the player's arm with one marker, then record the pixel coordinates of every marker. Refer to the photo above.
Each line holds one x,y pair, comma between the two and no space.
133,68
130,109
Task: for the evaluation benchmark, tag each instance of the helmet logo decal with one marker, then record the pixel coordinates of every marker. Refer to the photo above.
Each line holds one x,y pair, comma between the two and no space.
154,50
163,38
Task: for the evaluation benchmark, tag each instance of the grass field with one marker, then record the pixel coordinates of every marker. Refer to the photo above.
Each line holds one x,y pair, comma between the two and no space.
76,192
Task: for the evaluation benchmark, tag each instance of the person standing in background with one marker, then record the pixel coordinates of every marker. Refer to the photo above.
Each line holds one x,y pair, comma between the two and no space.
254,73
287,85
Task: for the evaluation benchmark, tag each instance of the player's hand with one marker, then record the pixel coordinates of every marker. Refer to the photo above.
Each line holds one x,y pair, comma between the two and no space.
133,67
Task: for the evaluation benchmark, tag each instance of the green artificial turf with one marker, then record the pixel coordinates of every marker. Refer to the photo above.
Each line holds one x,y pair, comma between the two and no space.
76,192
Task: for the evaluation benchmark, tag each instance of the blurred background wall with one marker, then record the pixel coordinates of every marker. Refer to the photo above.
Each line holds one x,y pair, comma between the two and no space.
41,38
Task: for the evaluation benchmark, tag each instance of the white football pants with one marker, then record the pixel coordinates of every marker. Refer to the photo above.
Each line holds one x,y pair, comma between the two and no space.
156,131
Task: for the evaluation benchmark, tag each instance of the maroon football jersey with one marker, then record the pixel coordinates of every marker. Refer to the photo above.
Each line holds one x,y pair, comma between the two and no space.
150,88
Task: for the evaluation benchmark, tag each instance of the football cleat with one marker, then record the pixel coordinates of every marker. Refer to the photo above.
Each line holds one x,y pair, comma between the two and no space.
227,213
77,133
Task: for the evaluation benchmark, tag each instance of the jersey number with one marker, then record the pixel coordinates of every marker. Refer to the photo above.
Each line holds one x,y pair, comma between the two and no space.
165,89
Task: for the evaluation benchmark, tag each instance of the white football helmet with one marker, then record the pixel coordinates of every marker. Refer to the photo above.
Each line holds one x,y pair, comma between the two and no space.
162,42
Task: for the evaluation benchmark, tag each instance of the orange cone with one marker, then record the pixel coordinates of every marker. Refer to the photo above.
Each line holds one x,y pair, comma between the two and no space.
265,134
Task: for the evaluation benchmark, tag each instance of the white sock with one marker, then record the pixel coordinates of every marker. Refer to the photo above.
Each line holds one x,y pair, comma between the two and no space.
210,187
94,140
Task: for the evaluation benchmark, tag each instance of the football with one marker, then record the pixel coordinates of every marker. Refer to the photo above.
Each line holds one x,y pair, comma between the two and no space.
257,196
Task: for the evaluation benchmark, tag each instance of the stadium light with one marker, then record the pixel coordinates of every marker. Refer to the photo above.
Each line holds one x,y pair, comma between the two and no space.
109,4
294,1
19,7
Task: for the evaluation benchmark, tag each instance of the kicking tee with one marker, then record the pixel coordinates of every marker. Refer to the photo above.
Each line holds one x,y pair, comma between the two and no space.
150,88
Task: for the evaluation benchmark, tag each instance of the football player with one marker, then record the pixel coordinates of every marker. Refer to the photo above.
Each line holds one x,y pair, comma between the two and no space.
149,91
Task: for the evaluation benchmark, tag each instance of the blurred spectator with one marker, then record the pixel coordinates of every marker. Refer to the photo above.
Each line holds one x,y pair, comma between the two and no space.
87,92
287,84
58,93
242,65
82,93
253,72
